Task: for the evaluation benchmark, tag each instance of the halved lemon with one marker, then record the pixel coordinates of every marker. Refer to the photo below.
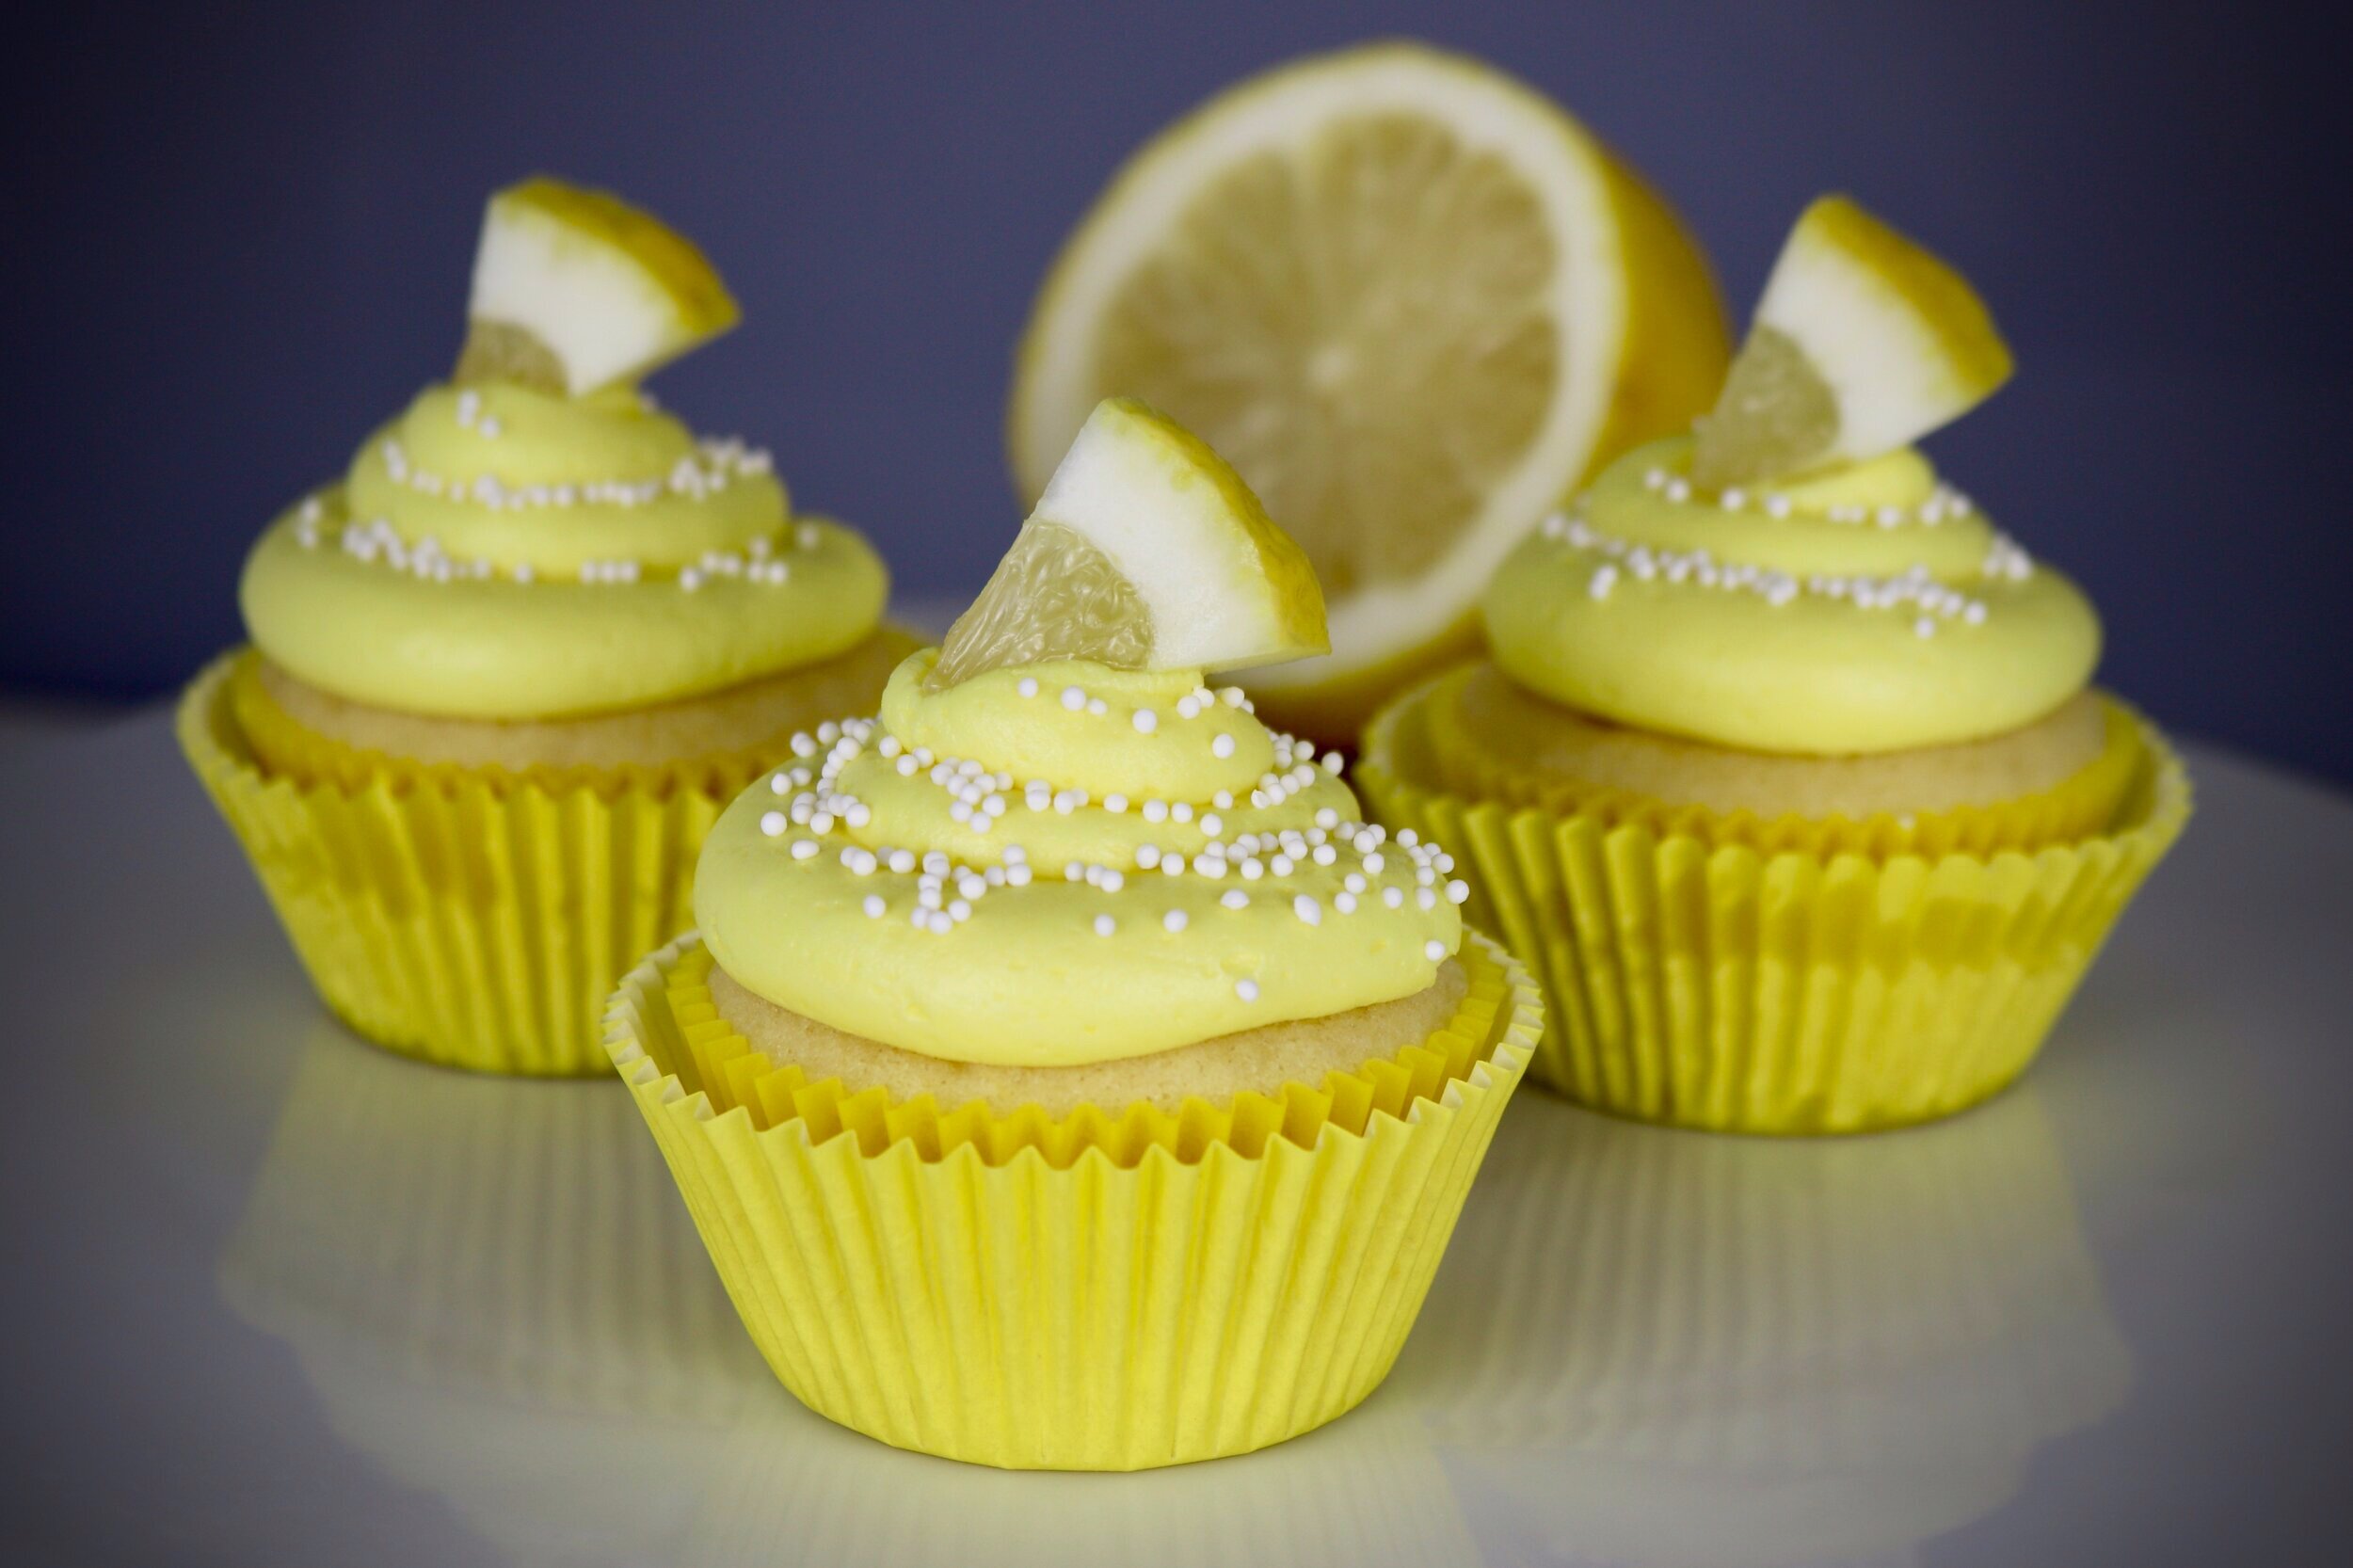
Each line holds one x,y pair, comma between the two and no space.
1146,551
1864,342
1412,301
575,290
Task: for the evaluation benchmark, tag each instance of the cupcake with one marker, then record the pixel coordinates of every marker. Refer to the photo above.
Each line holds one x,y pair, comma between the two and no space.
508,669
1064,1074
1785,769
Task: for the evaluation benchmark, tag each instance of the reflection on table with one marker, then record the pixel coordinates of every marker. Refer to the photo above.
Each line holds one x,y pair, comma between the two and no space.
1669,1348
496,1293
1646,1347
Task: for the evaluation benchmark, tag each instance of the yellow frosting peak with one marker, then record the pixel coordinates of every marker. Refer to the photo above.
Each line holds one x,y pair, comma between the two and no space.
1065,863
499,551
1868,608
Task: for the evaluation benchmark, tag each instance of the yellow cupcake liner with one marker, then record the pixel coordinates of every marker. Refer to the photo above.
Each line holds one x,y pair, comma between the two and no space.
2084,802
474,920
1108,1291
1712,986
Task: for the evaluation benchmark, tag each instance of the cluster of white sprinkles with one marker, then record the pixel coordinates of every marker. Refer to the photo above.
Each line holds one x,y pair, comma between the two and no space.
377,542
1942,501
711,467
949,891
1913,591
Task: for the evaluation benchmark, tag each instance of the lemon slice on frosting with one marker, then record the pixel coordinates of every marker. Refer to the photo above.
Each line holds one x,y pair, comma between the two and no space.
1146,551
575,290
1863,342
1411,300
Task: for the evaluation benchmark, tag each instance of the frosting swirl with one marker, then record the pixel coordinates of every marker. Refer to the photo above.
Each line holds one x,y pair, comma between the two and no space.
1065,863
501,552
1870,609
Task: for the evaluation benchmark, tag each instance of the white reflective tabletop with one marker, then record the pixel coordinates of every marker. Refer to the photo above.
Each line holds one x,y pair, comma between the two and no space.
275,1297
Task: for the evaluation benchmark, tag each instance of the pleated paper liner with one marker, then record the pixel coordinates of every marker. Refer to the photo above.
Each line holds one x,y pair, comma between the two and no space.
1112,1292
475,921
1678,1348
1466,764
494,1294
1712,986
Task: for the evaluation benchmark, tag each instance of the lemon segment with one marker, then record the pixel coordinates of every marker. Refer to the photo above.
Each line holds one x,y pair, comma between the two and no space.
1863,342
1146,551
1411,300
575,290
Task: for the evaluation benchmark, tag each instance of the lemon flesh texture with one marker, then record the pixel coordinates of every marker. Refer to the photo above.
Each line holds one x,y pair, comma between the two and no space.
1864,342
1146,551
1395,288
575,290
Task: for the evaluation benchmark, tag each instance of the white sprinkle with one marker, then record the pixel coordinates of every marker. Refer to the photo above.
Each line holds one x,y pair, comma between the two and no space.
1246,989
1393,897
1425,897
1115,804
1145,721
1028,686
1457,890
1222,748
1073,698
1327,819
804,849
1306,908
1435,950
1234,898
1096,706
1105,925
1173,919
1147,855
773,823
874,906
1345,902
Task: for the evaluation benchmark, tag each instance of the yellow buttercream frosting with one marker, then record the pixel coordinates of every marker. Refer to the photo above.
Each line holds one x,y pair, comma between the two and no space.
500,553
1869,609
1065,863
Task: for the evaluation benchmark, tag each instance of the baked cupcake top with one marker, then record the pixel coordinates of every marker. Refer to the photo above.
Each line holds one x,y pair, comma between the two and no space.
1058,859
535,538
1795,578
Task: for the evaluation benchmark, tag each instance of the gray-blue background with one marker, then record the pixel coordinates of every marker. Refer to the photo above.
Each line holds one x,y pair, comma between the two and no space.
238,238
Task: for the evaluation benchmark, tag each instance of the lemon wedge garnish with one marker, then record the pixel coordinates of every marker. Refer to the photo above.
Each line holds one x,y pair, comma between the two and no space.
1411,300
575,290
1146,551
1863,342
